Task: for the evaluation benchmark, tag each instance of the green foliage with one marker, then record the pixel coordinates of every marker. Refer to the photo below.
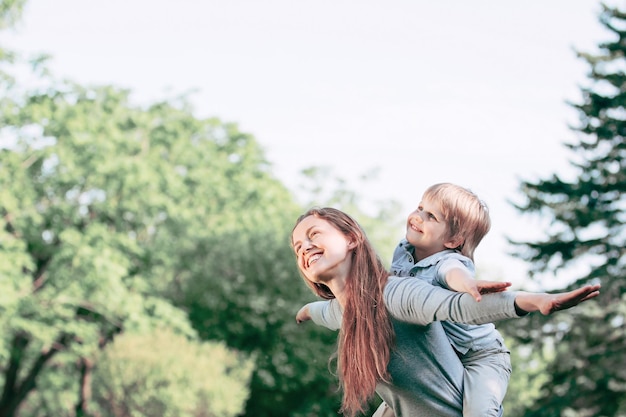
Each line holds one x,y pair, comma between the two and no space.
59,382
243,288
163,374
529,374
10,12
118,220
112,212
82,219
588,217
252,301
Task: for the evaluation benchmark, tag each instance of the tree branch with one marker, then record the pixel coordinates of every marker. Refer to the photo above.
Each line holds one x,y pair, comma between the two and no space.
9,399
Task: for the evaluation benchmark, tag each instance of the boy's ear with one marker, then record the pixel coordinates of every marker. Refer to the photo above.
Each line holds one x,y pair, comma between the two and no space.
454,242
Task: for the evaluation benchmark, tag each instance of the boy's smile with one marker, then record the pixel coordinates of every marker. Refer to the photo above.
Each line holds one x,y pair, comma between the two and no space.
426,229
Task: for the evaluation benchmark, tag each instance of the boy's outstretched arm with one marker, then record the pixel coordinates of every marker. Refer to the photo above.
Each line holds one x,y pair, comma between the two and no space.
460,280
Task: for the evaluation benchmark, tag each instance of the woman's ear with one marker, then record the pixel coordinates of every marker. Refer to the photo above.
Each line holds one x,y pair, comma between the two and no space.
351,244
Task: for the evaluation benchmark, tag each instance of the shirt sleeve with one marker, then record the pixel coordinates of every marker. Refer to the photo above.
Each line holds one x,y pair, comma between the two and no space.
326,313
444,267
418,302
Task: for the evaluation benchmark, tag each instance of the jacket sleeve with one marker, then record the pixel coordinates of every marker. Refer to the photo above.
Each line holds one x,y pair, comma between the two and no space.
418,302
326,313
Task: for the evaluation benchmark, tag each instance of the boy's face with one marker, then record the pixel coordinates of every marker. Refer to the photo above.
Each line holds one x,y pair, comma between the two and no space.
426,229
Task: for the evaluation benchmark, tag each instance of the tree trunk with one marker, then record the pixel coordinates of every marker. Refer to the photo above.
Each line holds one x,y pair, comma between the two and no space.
10,399
84,395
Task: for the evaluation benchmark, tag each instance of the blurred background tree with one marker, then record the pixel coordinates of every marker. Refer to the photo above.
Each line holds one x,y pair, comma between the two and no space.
121,222
97,202
585,236
185,378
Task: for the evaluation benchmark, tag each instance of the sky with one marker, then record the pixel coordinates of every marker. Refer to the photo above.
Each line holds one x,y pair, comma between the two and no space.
420,92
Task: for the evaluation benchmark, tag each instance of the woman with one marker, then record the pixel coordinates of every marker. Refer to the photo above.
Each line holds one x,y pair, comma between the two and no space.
390,341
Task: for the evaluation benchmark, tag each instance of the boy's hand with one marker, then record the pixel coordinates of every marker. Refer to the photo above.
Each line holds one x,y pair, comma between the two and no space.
477,287
458,279
303,314
487,287
469,286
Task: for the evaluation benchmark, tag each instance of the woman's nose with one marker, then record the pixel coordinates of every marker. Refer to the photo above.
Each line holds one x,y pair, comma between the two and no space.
306,246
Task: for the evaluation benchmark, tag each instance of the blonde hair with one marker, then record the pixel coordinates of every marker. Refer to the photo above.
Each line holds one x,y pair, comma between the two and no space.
366,337
466,215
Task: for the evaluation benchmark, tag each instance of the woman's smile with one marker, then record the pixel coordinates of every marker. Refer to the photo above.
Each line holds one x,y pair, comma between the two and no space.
313,259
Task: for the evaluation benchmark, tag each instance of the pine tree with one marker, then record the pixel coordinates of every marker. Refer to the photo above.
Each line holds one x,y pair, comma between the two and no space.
588,228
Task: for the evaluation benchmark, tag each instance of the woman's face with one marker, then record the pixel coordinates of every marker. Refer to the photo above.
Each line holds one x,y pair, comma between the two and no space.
322,251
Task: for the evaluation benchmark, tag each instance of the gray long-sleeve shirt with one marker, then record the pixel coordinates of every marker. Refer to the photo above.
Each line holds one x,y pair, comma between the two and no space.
427,375
464,337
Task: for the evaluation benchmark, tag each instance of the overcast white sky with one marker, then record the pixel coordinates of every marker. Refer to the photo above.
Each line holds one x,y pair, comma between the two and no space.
471,92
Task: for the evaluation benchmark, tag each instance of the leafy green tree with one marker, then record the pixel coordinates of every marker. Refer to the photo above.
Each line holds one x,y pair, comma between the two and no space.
249,301
121,219
112,212
529,374
292,376
95,195
156,373
108,211
162,374
586,236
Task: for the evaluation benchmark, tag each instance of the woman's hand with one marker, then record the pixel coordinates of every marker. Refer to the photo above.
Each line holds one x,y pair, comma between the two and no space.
303,314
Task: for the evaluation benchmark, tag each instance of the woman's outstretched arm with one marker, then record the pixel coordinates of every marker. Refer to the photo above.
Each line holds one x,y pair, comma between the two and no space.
415,301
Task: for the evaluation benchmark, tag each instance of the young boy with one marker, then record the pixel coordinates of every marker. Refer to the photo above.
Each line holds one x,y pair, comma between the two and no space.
442,234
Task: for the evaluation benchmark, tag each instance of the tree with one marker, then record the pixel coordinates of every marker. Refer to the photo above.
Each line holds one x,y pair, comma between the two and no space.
120,218
252,307
95,195
113,212
529,374
107,210
586,230
180,378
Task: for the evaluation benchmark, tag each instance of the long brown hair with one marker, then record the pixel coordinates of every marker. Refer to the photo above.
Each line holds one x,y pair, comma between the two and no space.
366,337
